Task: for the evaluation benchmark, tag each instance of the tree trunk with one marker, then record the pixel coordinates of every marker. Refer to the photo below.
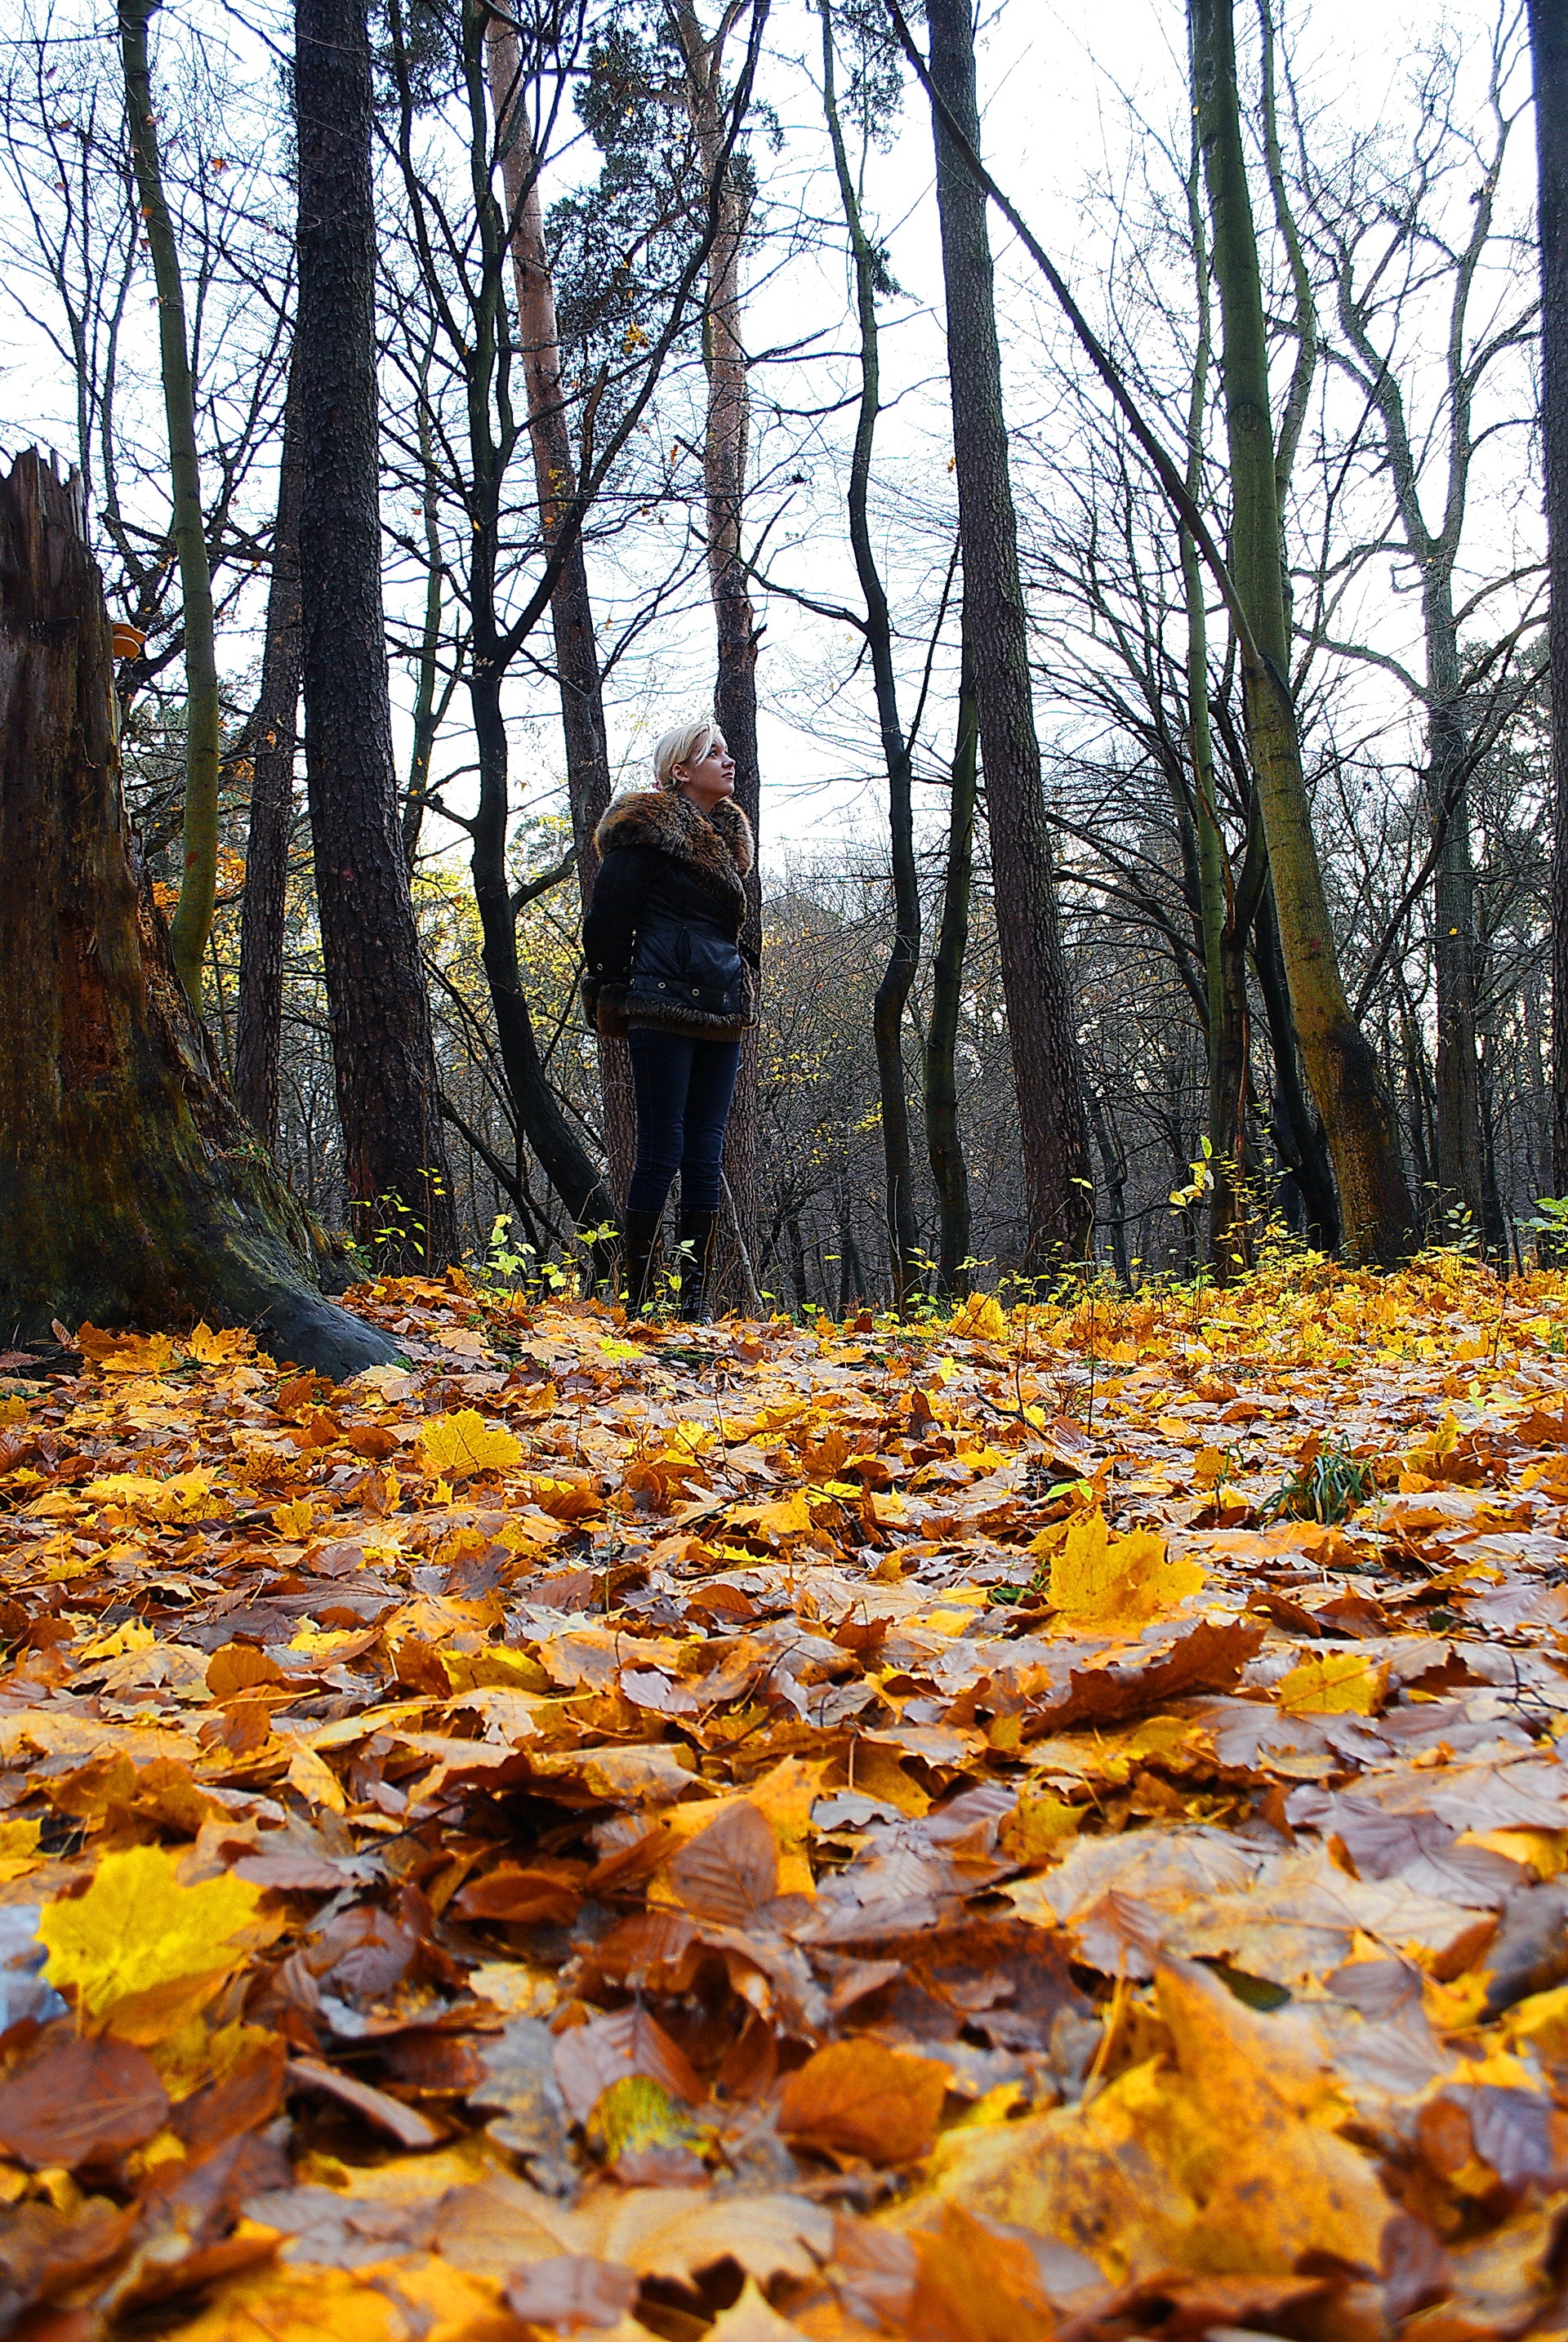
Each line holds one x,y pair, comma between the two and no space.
383,1056
258,1039
430,699
1374,1204
1041,1014
569,1168
134,1192
724,447
555,479
1549,54
1224,950
192,920
944,1139
1461,1200
1295,1134
904,958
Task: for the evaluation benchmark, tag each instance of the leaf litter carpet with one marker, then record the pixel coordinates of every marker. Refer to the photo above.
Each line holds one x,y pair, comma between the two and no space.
1046,1825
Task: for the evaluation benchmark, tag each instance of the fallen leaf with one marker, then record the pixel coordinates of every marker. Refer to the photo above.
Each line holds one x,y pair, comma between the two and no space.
455,1446
138,1952
1101,1581
974,2285
729,1871
570,2293
1341,1683
73,2102
857,2098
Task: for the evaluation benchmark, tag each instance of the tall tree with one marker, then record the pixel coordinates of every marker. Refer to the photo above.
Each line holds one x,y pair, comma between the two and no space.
1549,55
577,669
192,920
131,1193
1048,1069
1226,907
725,444
1390,258
870,278
1375,1208
382,1053
463,250
275,736
943,1138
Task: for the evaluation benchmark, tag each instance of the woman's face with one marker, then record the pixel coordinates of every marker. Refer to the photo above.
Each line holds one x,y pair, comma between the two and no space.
708,777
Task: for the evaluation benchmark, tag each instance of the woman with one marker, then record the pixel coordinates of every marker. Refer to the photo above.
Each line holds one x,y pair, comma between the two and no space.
665,967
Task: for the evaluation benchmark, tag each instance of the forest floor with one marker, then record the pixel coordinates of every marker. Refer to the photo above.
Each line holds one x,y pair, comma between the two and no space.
1038,1825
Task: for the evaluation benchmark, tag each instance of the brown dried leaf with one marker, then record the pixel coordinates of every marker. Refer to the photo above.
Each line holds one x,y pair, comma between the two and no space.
857,2098
729,1871
79,2103
590,2057
572,2293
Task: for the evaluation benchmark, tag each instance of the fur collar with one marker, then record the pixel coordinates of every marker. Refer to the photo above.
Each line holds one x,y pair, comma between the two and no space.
715,848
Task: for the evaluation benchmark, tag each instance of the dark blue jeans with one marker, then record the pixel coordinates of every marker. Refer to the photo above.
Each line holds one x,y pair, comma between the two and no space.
683,1090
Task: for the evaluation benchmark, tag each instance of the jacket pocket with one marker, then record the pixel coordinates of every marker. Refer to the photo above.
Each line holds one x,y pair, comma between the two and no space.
677,962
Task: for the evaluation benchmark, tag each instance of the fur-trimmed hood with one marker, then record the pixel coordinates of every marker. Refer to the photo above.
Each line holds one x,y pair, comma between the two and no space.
715,848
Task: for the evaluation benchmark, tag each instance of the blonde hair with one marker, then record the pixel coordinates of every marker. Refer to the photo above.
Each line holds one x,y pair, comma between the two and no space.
679,747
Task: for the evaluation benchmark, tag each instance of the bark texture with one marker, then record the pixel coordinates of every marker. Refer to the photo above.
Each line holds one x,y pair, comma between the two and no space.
903,957
486,357
192,920
1223,919
725,450
555,480
1341,1068
1041,1011
1549,54
383,1054
133,1191
943,1137
274,738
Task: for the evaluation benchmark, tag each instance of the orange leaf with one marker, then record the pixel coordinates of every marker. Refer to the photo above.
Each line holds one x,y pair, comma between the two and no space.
521,1897
974,2285
857,2098
240,1666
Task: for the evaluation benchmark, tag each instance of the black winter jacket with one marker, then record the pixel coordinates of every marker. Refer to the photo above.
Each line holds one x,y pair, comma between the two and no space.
662,936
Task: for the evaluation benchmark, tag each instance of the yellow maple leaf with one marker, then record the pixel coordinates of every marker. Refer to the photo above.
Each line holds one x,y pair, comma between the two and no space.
139,1952
1343,1683
132,1637
1039,1829
125,1354
772,1524
1209,1467
219,1349
295,1520
1098,1580
455,1446
186,1496
979,1319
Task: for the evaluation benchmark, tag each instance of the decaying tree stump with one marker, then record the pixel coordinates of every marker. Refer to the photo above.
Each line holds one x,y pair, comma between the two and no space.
131,1190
